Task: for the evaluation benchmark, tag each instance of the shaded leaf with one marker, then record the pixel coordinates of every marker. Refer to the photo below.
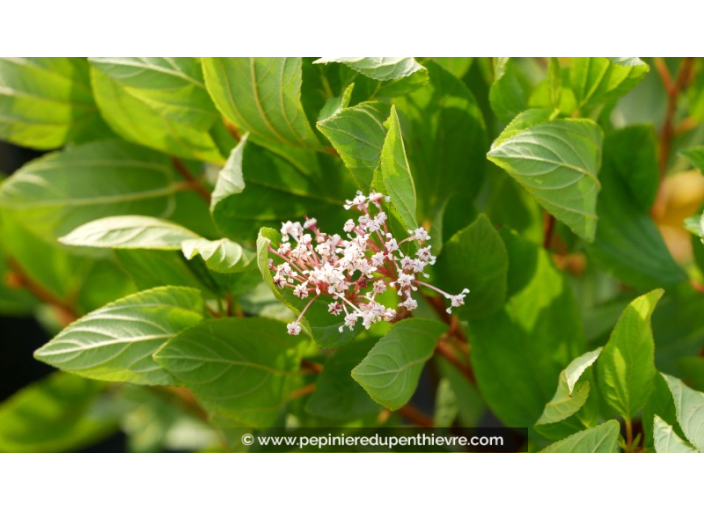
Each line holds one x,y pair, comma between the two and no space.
221,256
667,440
597,79
239,369
475,258
378,68
690,410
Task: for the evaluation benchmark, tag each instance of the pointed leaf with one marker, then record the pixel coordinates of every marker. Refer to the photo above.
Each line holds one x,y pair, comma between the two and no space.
230,179
240,369
690,410
358,135
391,370
222,256
44,101
557,162
116,342
160,102
600,439
55,194
129,232
598,79
569,397
377,68
626,367
667,440
396,173
261,95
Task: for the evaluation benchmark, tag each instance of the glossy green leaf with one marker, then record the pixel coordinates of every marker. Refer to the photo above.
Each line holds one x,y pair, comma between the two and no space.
475,258
160,102
667,440
600,439
626,368
129,232
116,342
358,135
446,408
519,352
337,396
45,102
221,256
446,139
239,369
391,370
56,414
396,173
59,192
261,95
569,396
557,162
690,410
230,181
378,68
597,79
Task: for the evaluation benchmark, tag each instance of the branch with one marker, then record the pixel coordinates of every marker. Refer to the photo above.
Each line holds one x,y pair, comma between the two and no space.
19,278
672,89
192,181
415,416
548,230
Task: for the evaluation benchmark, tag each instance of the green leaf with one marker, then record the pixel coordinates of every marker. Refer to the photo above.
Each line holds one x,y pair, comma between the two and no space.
230,179
569,398
600,439
129,232
45,102
458,66
475,258
626,368
378,68
317,322
358,135
391,370
447,140
160,102
667,440
222,256
557,162
239,369
695,156
628,244
276,192
396,173
262,96
519,352
116,342
337,396
508,95
446,408
598,79
56,414
660,403
59,192
690,410
554,82
692,371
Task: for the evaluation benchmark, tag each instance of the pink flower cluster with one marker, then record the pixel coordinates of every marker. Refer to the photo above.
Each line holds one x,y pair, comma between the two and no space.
354,271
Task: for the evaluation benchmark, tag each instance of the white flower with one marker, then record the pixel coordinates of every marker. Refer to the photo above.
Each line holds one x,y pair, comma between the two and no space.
379,287
301,291
410,304
310,223
391,245
419,234
349,226
294,328
335,308
457,300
